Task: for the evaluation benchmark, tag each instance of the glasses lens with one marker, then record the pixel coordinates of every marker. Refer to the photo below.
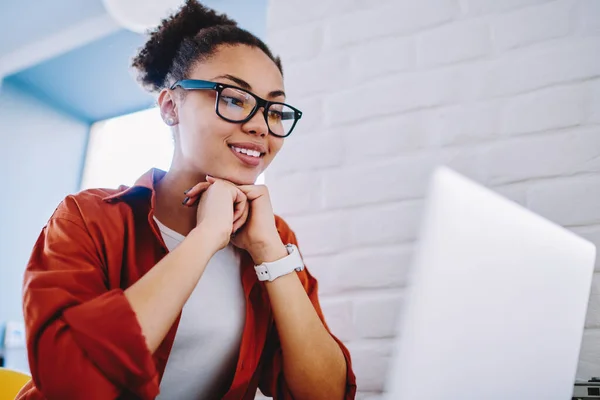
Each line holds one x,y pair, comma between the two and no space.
235,104
281,119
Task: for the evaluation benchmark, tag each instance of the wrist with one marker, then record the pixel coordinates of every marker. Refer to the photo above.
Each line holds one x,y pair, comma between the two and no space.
268,251
202,237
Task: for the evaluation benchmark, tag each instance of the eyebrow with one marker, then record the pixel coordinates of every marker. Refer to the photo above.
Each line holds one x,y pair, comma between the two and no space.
245,85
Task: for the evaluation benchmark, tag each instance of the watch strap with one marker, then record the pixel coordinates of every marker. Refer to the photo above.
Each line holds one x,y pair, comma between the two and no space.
269,271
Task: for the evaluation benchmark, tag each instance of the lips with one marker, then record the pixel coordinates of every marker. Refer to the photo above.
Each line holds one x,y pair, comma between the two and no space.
249,153
249,146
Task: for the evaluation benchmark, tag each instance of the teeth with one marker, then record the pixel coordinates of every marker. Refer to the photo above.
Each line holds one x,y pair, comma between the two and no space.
249,152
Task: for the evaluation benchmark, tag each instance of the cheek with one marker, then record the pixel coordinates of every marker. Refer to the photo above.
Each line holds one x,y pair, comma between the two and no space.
275,145
201,130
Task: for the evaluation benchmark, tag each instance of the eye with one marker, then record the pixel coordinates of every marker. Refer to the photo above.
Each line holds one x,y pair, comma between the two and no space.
233,101
275,115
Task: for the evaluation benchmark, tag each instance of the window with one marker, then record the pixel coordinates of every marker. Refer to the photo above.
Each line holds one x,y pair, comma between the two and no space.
122,149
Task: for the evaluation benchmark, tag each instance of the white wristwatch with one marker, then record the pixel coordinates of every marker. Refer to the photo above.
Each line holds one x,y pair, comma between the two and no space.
269,271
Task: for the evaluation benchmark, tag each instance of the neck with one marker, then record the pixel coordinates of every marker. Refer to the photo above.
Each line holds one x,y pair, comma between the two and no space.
169,196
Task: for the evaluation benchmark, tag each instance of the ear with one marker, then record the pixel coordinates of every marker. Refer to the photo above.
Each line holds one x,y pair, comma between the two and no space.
168,106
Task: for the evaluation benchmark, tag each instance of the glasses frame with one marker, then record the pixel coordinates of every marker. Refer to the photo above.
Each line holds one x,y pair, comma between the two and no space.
196,84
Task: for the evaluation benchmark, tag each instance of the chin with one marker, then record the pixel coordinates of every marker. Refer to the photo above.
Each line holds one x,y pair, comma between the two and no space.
240,177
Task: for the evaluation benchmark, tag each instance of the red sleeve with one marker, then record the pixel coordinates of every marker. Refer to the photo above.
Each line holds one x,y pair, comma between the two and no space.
272,381
83,340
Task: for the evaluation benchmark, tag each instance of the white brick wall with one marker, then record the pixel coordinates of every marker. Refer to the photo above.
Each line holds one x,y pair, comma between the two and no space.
507,92
533,24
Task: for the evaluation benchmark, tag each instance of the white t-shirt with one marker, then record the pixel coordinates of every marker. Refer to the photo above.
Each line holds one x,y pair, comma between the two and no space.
206,347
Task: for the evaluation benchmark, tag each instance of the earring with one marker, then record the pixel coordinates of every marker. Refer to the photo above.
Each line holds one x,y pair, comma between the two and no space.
170,121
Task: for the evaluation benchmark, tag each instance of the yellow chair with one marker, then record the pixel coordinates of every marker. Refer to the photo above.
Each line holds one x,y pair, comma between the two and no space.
11,383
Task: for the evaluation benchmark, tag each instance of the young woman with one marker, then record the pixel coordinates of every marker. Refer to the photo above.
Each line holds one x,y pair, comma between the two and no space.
185,285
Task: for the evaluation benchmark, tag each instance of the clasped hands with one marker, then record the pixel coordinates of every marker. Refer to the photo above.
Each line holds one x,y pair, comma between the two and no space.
240,214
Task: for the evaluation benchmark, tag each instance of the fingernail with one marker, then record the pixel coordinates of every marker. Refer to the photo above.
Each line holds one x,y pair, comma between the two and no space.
187,191
185,200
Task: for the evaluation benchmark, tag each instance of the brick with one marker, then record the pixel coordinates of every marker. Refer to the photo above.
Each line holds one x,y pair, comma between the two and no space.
396,135
403,178
591,233
282,15
323,74
463,123
371,361
373,268
587,16
383,56
323,268
466,161
514,192
556,154
452,43
390,96
522,71
378,317
593,312
319,234
593,101
338,316
295,193
382,225
312,115
297,43
569,202
533,24
305,153
468,81
547,109
398,17
479,7
400,179
380,267
589,357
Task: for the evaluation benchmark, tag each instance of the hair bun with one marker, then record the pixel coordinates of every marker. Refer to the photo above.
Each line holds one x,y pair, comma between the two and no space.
155,59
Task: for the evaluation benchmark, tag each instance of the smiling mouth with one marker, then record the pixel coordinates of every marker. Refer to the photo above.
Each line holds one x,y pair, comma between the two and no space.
247,152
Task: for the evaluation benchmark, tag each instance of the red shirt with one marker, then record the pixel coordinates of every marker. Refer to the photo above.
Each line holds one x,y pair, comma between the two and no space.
83,338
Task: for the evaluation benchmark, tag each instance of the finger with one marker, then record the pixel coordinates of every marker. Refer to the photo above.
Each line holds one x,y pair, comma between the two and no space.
239,208
242,220
237,194
242,206
193,194
253,192
197,189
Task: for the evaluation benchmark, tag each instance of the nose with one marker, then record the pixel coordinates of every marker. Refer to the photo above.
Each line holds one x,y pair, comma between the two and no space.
257,125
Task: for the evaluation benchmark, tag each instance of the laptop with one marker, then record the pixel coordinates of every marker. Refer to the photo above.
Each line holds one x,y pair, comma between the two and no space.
496,303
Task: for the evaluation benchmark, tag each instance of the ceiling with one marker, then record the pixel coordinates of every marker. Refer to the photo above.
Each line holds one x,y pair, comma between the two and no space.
78,60
25,21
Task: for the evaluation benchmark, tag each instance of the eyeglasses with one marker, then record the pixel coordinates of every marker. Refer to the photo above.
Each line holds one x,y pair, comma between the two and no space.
237,105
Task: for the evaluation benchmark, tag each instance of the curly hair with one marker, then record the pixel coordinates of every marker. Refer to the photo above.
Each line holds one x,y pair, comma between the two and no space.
189,36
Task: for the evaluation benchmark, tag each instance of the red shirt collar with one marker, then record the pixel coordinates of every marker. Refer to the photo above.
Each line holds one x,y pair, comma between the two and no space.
144,182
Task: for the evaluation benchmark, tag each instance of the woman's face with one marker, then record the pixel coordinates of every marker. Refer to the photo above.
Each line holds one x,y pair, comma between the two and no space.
207,144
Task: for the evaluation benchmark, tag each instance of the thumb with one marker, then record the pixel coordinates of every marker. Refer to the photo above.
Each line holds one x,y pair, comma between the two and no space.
253,192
